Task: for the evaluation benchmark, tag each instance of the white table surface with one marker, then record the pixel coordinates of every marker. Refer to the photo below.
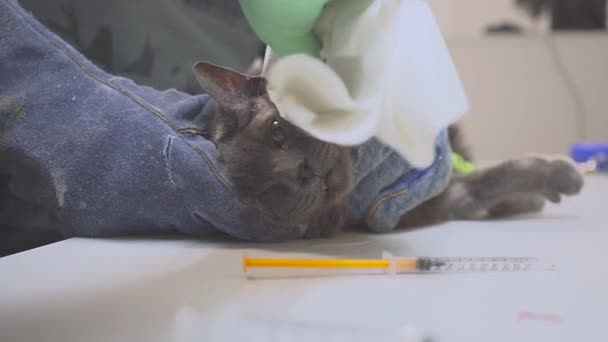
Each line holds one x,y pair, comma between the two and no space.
184,290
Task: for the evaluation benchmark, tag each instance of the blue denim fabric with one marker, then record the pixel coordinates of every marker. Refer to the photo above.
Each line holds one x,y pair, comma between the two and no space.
386,186
119,158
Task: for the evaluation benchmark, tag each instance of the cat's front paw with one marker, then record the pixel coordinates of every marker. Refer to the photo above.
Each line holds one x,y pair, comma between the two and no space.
564,178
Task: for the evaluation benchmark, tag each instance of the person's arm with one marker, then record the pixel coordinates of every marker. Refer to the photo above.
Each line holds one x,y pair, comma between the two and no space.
87,153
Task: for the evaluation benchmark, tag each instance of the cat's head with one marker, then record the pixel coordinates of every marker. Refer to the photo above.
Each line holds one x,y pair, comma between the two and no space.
286,173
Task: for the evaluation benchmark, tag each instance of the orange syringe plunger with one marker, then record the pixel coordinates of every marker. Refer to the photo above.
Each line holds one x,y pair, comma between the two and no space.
408,265
388,264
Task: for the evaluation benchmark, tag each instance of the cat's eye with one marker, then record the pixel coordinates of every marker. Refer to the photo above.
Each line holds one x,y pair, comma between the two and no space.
278,137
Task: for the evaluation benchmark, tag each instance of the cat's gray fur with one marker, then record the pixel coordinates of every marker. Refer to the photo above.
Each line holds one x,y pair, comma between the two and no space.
267,159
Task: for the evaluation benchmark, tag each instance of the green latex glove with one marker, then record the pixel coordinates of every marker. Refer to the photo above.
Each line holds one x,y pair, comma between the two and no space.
285,25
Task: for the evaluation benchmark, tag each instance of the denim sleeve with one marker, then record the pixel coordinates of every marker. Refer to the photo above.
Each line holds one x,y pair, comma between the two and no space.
105,156
387,187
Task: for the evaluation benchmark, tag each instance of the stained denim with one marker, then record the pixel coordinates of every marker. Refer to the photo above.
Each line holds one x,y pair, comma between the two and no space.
116,158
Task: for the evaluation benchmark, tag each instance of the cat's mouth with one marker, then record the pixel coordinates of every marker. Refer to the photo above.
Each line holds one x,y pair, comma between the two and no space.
333,185
326,187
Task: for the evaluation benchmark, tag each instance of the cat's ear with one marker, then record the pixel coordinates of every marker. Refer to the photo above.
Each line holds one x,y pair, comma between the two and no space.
229,88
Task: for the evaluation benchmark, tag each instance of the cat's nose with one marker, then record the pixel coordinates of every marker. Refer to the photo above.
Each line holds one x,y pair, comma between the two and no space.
305,174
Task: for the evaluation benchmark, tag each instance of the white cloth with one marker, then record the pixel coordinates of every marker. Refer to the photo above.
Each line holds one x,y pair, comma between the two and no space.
387,73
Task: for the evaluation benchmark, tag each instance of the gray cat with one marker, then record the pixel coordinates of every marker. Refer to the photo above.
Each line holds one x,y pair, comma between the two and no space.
299,179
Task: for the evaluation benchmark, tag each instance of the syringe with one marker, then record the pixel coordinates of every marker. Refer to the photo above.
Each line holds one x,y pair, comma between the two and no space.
390,264
491,264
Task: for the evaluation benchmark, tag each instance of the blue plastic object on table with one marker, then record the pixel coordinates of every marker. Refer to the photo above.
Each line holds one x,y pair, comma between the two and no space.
584,152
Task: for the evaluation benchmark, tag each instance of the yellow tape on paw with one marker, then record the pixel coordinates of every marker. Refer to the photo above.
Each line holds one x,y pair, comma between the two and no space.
460,165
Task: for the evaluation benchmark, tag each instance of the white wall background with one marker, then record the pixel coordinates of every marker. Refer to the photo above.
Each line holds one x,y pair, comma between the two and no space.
529,93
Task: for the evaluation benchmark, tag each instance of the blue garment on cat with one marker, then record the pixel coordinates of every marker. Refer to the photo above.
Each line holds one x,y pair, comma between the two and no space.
386,186
110,157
